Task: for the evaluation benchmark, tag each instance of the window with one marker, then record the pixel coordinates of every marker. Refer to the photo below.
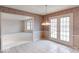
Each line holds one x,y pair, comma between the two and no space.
28,25
53,28
61,29
64,28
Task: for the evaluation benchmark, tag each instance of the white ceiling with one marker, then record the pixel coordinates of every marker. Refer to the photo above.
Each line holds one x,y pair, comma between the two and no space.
40,9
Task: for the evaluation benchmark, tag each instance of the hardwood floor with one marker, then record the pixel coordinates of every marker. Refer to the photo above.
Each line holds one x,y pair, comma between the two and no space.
42,46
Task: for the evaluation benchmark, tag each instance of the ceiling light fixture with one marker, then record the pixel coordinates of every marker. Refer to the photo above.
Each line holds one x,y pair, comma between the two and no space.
46,23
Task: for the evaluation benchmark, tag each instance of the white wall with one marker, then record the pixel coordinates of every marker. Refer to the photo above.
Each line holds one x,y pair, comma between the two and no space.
11,26
12,31
36,28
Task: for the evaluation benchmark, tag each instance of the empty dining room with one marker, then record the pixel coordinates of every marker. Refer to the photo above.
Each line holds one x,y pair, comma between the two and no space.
39,28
